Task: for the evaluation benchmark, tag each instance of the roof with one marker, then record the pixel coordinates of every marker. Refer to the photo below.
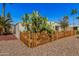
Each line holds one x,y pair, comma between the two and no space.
53,23
73,26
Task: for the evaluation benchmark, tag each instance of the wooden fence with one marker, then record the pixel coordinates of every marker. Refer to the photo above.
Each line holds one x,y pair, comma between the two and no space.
35,39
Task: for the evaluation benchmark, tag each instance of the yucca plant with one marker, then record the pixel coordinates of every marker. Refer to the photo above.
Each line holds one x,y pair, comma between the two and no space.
35,21
38,23
26,21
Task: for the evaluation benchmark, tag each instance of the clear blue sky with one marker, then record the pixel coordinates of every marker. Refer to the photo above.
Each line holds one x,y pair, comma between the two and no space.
52,11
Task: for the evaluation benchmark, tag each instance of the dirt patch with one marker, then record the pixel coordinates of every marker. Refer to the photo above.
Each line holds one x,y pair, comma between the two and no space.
7,37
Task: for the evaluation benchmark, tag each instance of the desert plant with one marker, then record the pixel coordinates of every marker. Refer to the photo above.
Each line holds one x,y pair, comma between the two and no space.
26,21
37,22
5,23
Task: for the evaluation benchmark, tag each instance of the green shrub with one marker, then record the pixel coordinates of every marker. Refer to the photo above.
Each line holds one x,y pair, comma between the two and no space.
38,23
77,32
49,31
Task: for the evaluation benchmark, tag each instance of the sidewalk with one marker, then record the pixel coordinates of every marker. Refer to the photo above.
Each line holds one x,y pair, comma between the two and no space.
67,46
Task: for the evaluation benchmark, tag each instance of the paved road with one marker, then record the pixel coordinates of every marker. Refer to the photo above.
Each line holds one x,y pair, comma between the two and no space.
66,46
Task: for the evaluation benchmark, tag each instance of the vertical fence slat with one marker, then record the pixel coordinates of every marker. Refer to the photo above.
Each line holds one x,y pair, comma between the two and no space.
35,39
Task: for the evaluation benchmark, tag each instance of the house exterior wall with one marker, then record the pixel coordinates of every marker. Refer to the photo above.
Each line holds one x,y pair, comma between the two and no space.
54,26
17,32
12,29
19,28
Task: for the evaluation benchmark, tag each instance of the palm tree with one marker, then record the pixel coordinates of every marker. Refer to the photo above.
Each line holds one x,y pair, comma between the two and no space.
5,23
3,10
26,21
64,22
65,18
78,21
8,21
73,13
1,28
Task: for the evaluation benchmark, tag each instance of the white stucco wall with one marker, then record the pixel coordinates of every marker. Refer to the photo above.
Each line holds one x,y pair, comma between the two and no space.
17,32
53,25
19,28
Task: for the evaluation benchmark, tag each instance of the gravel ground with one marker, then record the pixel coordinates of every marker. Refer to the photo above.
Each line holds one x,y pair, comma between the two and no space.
64,47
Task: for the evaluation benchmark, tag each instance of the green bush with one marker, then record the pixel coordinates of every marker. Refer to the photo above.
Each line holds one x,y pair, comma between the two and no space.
49,31
77,32
39,23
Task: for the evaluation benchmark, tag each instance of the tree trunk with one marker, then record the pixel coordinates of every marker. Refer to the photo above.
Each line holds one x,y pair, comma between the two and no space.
73,23
3,10
78,24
